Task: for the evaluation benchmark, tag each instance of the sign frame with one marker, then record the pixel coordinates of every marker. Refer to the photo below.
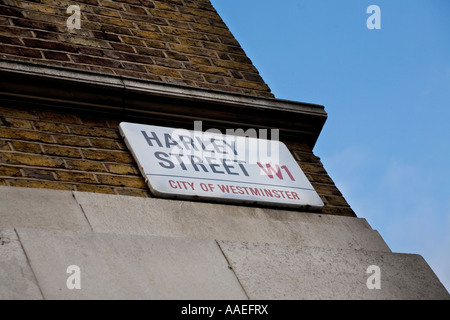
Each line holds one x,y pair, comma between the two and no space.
214,167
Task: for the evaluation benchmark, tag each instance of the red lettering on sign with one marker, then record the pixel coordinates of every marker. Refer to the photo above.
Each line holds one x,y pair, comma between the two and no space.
268,170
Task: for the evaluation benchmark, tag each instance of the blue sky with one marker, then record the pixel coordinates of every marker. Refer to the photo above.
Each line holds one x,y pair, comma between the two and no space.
386,142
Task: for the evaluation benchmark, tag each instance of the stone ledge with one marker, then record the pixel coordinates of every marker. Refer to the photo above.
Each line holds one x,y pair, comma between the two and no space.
17,281
144,100
118,266
128,267
279,272
117,214
40,208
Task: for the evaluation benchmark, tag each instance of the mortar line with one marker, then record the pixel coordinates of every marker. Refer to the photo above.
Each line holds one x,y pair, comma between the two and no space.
29,263
82,210
232,269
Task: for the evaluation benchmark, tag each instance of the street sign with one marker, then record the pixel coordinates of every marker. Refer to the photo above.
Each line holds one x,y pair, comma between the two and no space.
186,164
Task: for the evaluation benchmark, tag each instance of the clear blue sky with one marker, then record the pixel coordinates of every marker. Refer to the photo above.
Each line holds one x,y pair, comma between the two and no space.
386,142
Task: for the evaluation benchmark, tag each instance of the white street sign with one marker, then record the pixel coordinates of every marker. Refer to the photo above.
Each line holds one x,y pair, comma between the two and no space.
185,164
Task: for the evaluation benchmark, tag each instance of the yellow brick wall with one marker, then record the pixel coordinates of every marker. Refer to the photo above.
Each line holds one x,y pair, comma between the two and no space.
45,149
175,41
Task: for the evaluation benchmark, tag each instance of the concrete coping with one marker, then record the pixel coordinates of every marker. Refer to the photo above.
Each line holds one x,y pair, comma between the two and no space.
159,88
146,100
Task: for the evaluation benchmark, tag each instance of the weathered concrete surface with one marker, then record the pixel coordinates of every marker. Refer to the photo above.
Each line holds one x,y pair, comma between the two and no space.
142,248
129,267
149,216
17,280
273,271
62,210
40,208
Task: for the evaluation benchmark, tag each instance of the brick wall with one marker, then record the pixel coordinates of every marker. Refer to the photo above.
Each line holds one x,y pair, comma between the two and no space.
44,149
47,149
177,41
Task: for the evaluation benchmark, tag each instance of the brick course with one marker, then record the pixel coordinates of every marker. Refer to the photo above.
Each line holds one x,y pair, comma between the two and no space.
46,149
156,40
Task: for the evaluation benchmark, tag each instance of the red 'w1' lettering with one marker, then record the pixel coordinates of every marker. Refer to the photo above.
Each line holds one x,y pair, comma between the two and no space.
268,170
